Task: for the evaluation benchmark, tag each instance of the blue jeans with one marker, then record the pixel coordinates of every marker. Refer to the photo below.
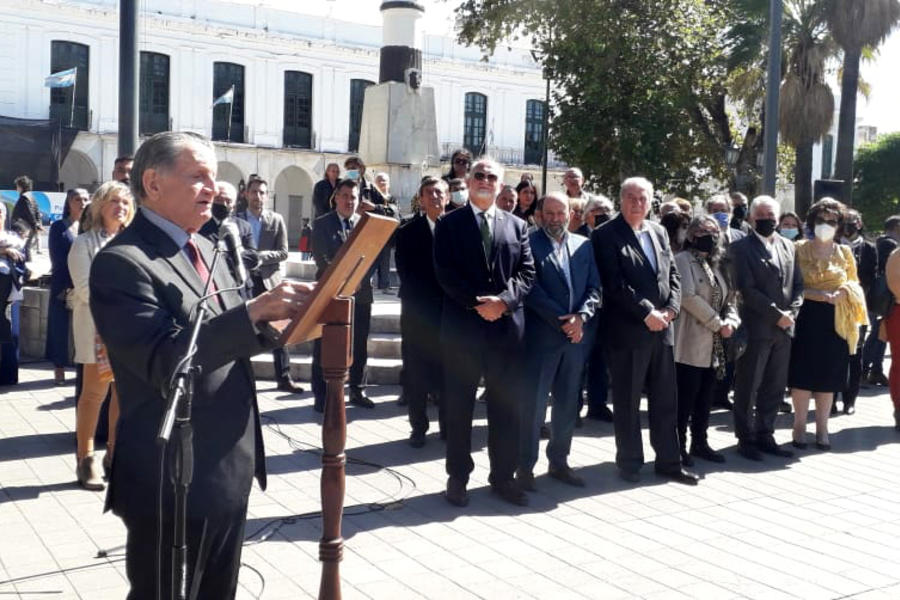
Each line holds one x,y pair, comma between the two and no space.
558,372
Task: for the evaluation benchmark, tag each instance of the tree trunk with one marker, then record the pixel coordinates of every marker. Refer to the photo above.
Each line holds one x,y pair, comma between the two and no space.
843,167
803,189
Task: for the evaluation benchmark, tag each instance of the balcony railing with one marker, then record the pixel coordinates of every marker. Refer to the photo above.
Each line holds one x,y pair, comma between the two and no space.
506,155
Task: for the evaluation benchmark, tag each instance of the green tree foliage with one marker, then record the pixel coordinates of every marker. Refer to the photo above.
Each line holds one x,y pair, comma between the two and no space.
638,87
877,182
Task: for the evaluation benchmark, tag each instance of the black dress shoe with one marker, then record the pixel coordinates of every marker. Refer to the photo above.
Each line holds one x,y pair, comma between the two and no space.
749,451
834,410
456,492
823,446
401,400
849,409
319,408
706,453
417,440
509,491
629,476
566,475
600,414
686,459
799,445
770,447
784,408
525,479
723,403
679,476
286,385
878,379
545,432
361,400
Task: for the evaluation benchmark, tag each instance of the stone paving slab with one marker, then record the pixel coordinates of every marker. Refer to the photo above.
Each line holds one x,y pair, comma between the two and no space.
818,526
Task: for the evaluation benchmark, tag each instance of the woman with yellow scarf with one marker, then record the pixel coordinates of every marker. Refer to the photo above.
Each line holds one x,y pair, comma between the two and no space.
827,330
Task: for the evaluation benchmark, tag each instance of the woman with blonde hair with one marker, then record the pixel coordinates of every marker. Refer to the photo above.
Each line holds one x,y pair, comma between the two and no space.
110,211
827,328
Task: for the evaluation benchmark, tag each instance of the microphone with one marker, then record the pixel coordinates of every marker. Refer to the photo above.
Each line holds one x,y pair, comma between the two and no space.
228,232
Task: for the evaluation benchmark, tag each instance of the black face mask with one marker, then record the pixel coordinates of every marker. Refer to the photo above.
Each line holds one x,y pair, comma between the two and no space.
850,229
600,220
765,227
705,243
740,211
220,211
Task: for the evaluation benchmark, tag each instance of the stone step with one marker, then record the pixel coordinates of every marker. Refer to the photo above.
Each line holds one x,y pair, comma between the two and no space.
381,345
381,371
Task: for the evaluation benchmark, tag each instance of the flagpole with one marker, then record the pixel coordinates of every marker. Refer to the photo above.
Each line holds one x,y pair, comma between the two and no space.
72,110
230,106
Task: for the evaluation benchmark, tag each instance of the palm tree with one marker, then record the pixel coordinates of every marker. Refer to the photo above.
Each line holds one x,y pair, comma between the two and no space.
855,24
806,109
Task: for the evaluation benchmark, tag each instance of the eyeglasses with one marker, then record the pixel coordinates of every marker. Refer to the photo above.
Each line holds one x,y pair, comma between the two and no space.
481,176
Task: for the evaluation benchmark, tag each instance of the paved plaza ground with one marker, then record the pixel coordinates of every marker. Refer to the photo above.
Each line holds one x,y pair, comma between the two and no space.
819,526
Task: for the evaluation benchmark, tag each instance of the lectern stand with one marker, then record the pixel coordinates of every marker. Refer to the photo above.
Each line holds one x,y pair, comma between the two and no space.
328,313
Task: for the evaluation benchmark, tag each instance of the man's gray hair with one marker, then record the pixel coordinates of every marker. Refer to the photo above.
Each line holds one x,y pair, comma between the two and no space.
161,152
228,187
382,175
717,199
485,161
639,182
574,171
559,197
766,201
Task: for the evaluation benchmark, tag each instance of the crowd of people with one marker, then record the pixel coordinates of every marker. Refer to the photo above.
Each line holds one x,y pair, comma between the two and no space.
552,299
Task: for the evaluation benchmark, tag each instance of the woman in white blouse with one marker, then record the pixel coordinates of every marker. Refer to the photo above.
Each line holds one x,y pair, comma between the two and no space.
110,211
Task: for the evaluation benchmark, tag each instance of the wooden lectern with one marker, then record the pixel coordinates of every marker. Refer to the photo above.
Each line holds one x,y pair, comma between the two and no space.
328,313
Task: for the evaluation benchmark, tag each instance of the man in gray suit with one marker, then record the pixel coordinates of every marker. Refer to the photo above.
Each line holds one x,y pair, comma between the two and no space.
559,328
771,289
272,249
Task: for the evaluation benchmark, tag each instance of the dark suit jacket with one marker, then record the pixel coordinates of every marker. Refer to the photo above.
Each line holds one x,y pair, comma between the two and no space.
549,296
143,289
272,249
631,290
419,287
884,245
767,287
327,238
322,193
464,273
210,231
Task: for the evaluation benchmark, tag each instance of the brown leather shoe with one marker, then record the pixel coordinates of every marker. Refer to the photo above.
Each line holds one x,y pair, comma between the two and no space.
525,479
566,475
88,472
456,492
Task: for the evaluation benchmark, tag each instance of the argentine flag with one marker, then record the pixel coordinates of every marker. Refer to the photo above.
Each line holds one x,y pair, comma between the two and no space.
226,98
61,79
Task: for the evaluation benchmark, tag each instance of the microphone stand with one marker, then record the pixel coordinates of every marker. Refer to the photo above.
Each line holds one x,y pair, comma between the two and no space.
178,415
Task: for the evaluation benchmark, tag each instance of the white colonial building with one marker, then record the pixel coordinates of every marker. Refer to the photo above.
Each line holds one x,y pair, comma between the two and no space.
298,79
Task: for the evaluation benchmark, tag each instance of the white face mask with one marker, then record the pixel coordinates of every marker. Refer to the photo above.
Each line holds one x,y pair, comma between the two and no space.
459,197
825,232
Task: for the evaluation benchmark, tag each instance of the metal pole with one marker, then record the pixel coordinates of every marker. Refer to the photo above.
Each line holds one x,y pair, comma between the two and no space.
546,135
770,146
72,108
228,129
128,78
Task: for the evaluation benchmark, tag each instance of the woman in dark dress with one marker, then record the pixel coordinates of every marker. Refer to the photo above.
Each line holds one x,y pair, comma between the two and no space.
526,201
62,234
827,328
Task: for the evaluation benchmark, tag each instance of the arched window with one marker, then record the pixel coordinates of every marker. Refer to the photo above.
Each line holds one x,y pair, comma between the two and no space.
475,123
154,93
65,55
228,117
357,95
534,132
297,109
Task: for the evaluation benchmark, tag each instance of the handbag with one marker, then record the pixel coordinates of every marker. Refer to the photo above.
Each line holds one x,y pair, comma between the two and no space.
736,345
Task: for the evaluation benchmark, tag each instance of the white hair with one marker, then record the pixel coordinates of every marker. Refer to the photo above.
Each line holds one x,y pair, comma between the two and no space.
488,161
641,183
766,201
575,171
228,187
382,175
718,198
558,196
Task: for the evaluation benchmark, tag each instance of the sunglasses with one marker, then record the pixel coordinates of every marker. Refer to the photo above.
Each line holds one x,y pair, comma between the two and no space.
481,176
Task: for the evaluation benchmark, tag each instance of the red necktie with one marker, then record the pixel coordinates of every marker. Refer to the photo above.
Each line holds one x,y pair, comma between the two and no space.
194,253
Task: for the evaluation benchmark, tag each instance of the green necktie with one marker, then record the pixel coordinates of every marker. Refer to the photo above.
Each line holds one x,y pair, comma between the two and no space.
486,236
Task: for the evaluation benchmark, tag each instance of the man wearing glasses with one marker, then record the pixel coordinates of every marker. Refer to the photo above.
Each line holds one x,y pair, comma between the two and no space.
483,264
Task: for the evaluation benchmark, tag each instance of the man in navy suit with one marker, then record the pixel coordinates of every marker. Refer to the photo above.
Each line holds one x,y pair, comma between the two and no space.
559,323
483,263
421,300
642,297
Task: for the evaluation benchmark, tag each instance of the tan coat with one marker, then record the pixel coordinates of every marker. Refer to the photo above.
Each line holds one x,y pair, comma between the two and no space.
698,320
84,249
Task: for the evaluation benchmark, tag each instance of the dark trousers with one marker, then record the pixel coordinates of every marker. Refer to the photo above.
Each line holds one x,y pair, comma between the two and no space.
723,386
631,369
214,557
362,317
383,268
282,359
759,382
695,395
854,377
464,366
597,378
874,349
422,369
